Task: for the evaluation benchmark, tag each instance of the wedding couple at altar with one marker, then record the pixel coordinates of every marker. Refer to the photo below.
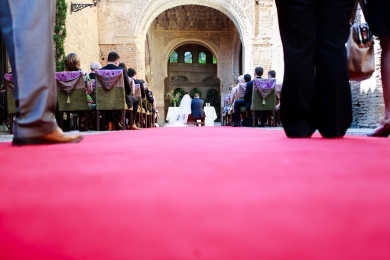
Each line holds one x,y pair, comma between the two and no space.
188,106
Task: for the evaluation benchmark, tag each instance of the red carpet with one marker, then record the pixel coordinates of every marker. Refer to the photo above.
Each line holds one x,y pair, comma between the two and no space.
196,193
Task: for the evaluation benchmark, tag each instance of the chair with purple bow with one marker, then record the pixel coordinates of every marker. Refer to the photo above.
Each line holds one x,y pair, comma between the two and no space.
72,97
263,98
110,94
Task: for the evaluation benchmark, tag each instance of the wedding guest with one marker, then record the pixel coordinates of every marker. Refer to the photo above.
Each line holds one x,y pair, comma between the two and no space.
112,64
94,66
35,88
72,63
132,73
316,91
247,101
378,18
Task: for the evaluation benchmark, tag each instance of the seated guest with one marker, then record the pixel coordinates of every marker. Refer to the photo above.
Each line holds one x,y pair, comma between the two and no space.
112,64
94,66
131,73
197,105
267,115
72,63
247,101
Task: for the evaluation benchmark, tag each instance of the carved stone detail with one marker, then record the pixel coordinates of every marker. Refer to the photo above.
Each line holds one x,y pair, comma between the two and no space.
179,79
211,80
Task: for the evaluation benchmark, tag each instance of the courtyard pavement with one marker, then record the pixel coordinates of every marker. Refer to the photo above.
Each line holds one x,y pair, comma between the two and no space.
6,137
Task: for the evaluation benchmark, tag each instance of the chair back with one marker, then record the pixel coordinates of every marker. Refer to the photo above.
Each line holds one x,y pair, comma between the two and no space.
241,90
9,85
137,90
263,95
278,89
71,91
110,91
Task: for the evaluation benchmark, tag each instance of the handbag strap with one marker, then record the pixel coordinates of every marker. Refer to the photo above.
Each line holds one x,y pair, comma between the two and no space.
354,10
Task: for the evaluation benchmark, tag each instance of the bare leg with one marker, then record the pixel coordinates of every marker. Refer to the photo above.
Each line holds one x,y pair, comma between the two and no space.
385,67
383,130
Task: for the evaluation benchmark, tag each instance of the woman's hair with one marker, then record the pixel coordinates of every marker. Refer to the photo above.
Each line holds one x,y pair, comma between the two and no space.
122,65
72,62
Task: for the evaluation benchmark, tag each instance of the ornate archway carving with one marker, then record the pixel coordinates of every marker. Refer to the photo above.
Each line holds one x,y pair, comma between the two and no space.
238,11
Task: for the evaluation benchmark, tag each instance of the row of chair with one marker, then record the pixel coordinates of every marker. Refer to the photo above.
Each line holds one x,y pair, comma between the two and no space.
109,95
264,98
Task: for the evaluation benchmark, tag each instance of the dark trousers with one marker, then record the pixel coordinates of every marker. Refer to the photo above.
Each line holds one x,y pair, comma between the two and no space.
237,110
135,103
316,91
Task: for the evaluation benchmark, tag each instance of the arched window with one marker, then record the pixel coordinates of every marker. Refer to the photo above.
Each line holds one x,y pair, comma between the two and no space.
214,60
202,58
195,90
174,58
187,57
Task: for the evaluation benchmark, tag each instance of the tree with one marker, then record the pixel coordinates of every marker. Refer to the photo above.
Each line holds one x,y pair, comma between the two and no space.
60,34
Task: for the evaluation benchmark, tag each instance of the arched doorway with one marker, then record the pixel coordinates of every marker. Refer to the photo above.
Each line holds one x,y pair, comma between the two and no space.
193,46
192,68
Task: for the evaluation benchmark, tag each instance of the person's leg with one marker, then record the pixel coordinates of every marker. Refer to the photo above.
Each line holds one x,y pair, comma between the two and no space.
237,111
383,130
32,62
334,108
385,72
135,109
297,24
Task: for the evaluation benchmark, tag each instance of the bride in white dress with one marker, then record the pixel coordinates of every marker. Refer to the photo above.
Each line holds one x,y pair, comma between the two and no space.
184,111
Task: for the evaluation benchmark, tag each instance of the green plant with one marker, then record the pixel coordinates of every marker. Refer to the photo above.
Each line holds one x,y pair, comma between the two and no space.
60,34
174,97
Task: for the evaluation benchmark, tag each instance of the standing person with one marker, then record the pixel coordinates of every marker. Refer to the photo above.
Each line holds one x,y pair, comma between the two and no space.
112,64
376,14
35,93
316,91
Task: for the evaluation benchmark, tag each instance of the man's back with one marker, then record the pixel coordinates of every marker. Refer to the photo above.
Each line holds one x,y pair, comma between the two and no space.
125,78
197,108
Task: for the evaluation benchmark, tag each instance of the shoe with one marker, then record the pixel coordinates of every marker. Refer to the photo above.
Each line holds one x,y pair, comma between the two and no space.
56,137
383,130
134,127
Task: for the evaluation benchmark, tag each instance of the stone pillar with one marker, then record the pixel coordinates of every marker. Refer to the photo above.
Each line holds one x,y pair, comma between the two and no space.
209,57
181,55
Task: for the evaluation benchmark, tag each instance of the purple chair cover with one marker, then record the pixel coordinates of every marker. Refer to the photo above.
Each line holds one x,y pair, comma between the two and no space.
69,80
9,82
278,89
137,90
227,101
109,78
241,90
264,86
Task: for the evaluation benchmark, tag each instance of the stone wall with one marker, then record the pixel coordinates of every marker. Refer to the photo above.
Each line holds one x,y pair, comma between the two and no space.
145,32
367,97
82,35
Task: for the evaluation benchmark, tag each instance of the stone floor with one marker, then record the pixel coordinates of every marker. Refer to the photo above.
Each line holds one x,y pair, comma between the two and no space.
6,137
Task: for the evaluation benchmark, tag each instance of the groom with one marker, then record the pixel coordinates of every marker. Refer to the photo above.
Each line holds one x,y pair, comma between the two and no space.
197,111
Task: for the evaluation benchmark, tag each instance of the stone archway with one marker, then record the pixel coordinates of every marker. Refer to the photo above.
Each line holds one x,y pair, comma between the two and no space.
196,74
239,13
192,24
